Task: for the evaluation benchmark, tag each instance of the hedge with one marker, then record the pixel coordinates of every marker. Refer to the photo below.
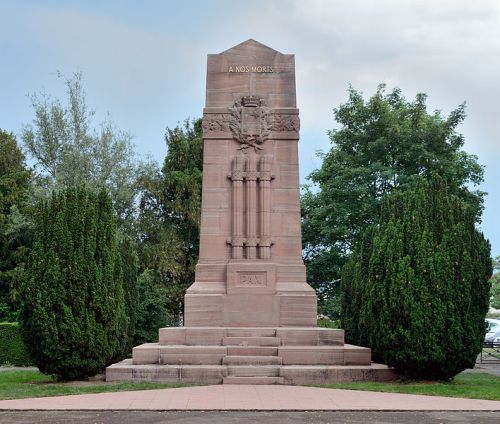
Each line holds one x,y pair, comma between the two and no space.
13,351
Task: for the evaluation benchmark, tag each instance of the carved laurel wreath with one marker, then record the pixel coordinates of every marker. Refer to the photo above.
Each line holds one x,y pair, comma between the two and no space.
261,112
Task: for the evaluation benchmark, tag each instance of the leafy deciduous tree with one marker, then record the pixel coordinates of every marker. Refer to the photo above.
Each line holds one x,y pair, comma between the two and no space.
70,150
170,209
382,144
495,284
152,312
14,228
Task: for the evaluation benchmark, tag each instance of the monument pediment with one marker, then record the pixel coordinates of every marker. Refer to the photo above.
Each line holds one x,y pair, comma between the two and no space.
250,45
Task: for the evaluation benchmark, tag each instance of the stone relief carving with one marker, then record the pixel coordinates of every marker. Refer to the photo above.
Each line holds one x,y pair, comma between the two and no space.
280,122
216,122
248,122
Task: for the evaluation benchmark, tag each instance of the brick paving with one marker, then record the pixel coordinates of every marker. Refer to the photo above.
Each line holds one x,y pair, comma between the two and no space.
253,398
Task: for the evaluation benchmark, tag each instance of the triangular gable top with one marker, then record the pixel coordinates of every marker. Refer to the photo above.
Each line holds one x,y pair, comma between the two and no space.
250,43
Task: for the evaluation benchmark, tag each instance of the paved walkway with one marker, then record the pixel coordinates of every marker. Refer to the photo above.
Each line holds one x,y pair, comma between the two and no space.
255,398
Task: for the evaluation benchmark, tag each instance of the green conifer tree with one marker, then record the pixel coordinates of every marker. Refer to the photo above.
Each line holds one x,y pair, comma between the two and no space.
416,288
72,311
128,269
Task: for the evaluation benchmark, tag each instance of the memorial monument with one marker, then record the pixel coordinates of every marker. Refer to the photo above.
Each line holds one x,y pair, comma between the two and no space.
250,317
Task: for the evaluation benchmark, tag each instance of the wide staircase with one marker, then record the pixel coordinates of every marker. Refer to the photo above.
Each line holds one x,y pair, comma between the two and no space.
284,355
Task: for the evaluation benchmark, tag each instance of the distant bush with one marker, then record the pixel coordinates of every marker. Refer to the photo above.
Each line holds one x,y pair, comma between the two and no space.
13,351
328,323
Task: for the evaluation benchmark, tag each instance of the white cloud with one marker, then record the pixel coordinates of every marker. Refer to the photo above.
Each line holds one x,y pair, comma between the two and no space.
149,70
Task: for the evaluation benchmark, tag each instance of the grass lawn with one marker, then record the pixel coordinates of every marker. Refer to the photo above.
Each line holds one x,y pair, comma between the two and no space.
23,384
465,385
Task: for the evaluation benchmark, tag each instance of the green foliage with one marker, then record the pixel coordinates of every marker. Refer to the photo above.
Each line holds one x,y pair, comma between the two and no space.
13,351
27,384
465,385
170,209
416,287
14,227
495,284
70,150
127,267
152,309
72,311
382,144
328,323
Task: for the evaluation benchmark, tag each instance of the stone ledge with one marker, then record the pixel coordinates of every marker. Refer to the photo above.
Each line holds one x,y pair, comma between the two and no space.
214,374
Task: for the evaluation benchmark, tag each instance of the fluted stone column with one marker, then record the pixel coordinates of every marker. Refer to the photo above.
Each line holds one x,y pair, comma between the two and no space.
265,206
238,201
251,206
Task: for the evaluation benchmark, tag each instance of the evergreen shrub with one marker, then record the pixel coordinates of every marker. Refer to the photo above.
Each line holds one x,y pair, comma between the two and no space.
415,289
13,351
72,302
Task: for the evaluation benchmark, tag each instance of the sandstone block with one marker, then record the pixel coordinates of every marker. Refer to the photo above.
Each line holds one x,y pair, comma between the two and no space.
311,355
252,350
253,380
208,374
251,341
253,371
251,360
148,353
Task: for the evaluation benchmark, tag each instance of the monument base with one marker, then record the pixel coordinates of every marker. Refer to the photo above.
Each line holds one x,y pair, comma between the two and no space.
250,355
250,293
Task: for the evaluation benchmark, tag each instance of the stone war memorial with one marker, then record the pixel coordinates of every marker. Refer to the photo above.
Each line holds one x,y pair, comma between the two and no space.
250,317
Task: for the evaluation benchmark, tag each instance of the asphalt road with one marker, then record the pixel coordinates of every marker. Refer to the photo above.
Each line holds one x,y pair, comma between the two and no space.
272,417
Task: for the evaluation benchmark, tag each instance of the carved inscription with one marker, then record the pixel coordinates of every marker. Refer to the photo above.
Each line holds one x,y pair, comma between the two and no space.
260,69
252,279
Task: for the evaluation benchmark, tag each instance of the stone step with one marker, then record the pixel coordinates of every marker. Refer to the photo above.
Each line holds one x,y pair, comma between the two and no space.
192,355
250,341
214,374
253,370
312,355
253,380
251,332
312,336
212,336
325,355
252,350
251,360
147,353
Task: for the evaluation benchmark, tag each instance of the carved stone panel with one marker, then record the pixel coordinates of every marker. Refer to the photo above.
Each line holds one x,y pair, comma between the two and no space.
251,277
217,122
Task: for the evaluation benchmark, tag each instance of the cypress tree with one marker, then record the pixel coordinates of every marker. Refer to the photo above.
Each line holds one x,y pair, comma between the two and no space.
72,311
128,264
416,287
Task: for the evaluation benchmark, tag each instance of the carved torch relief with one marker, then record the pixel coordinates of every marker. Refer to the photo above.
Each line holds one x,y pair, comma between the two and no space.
249,122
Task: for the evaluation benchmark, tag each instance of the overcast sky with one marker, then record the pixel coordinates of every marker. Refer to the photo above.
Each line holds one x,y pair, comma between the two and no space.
144,62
